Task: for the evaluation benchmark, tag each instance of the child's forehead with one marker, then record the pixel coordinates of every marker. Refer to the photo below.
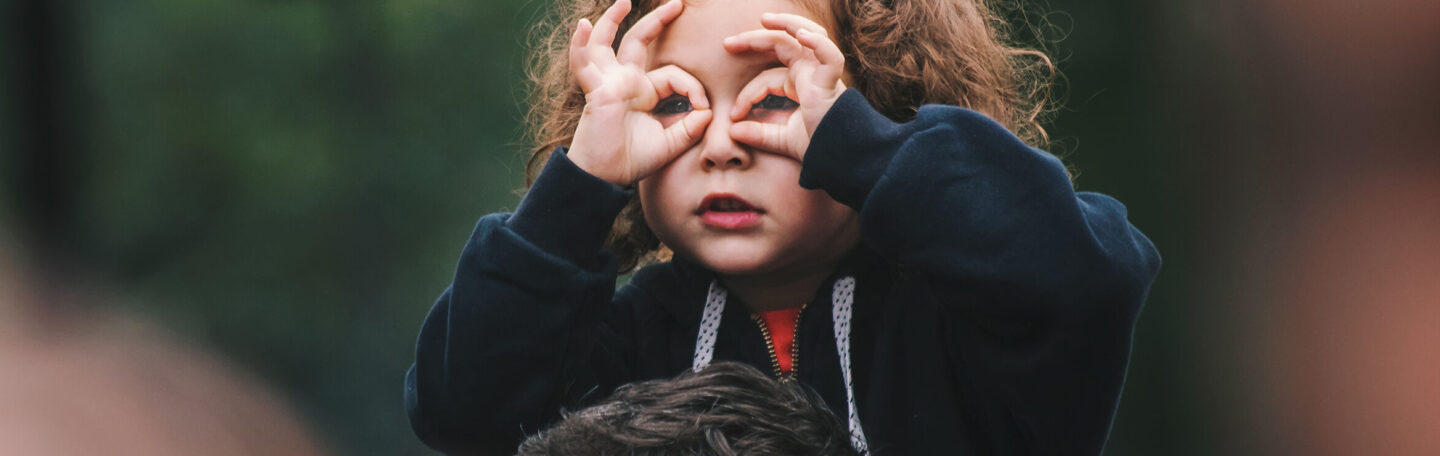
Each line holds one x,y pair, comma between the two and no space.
814,9
698,34
817,10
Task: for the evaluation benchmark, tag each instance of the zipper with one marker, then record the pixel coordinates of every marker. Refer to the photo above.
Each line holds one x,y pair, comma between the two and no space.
795,345
770,346
769,343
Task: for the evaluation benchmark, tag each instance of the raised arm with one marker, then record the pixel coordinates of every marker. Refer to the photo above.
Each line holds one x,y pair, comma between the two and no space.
954,194
529,324
515,337
1039,286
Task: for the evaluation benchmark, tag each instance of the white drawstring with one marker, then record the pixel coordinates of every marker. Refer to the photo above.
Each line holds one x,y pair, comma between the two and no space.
842,299
709,326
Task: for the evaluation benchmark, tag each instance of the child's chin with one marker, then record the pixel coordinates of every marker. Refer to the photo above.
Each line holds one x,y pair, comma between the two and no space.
733,256
730,264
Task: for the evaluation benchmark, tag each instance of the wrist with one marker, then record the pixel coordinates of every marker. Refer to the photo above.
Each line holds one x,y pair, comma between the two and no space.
567,212
597,168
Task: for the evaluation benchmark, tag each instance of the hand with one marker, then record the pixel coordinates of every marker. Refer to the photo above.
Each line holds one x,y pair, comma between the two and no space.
811,78
622,136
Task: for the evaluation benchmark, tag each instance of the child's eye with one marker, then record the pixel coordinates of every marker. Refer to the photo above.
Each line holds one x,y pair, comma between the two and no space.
775,102
672,105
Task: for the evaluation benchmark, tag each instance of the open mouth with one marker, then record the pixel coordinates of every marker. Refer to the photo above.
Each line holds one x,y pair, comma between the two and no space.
728,211
725,203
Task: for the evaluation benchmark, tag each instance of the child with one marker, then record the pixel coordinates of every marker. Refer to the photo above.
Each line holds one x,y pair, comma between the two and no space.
937,281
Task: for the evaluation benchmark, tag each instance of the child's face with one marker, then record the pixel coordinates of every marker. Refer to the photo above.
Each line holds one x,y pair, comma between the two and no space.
784,228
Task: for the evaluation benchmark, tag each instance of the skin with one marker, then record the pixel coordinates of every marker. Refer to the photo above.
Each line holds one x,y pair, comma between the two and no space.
718,97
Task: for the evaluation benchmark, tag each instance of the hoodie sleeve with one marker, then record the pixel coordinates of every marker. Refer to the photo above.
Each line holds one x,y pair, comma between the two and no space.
1038,285
496,356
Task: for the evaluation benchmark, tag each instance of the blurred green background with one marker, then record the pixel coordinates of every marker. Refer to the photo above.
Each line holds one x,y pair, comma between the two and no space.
289,182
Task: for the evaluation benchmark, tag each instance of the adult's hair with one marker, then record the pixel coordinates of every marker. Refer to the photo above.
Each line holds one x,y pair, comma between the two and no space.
725,409
901,54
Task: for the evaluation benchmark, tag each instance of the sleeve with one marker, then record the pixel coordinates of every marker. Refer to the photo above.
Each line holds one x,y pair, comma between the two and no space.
497,355
1038,286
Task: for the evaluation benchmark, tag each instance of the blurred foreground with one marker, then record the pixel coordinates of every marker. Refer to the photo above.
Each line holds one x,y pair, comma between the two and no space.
78,378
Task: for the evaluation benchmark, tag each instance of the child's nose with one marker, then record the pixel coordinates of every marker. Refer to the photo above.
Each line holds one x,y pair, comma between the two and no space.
717,149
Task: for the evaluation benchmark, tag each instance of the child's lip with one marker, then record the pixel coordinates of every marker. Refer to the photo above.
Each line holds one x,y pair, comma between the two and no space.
731,220
740,216
710,199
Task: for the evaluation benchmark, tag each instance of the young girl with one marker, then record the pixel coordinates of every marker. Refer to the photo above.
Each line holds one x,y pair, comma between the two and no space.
934,278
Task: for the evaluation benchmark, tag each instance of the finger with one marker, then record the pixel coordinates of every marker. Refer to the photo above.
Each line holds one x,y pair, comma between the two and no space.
578,58
832,61
590,77
585,71
687,131
770,81
609,24
785,47
581,35
764,136
791,23
671,79
632,46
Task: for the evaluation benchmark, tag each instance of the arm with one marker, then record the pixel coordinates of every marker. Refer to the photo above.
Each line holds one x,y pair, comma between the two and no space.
1039,286
499,353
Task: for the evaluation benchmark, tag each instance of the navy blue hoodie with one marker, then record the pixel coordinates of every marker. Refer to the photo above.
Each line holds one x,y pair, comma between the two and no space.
993,309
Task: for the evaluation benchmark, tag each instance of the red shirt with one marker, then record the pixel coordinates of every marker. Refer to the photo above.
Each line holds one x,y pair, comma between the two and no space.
781,324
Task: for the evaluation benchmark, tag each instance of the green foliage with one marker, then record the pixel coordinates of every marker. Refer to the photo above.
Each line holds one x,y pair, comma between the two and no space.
290,182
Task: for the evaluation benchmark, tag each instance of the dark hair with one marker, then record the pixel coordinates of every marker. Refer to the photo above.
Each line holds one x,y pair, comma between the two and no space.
725,409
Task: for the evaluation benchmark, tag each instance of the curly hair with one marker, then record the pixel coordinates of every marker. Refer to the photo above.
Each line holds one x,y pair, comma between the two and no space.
901,54
725,409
